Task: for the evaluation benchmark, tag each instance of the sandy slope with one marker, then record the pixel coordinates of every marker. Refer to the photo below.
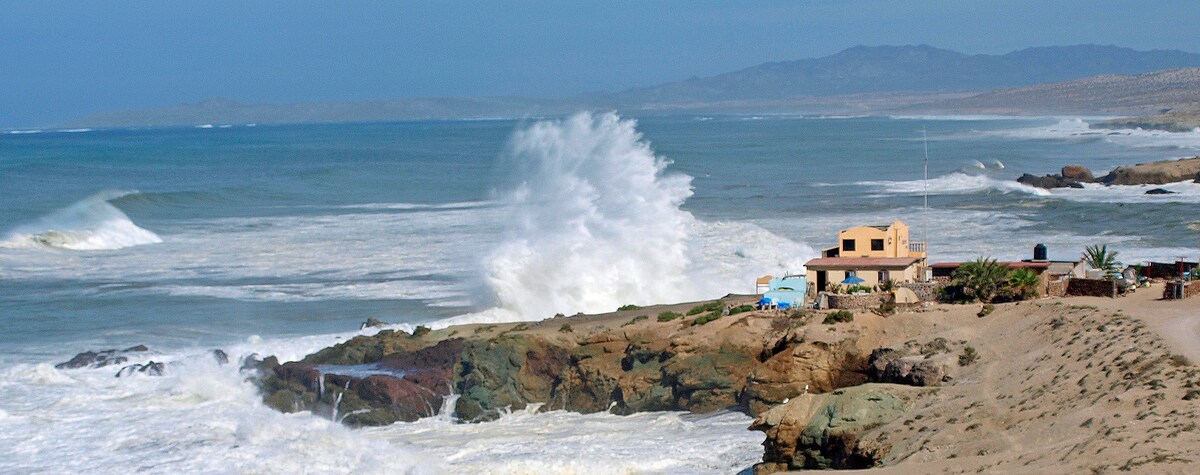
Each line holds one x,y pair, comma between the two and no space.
1076,385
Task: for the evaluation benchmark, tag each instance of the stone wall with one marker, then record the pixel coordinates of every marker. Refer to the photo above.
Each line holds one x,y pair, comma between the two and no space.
1057,287
855,302
926,291
1190,289
1092,287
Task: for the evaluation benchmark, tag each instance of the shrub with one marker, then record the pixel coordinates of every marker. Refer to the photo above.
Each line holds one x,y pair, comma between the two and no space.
886,308
741,309
421,331
834,288
857,288
797,313
968,356
668,316
705,307
628,307
566,328
986,310
706,318
635,320
838,316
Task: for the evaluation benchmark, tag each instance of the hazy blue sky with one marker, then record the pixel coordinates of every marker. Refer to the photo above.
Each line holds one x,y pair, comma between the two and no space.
61,60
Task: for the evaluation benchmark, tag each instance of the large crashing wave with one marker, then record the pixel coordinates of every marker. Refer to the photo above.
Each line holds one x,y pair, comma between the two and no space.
596,223
90,224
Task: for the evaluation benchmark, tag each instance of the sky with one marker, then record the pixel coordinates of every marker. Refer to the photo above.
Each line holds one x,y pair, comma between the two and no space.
62,60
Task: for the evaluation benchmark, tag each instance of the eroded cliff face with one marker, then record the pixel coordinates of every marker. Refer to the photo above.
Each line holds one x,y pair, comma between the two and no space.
618,363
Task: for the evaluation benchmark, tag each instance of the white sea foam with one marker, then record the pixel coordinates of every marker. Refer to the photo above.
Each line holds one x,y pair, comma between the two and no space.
1183,192
1079,129
88,225
24,132
200,416
955,183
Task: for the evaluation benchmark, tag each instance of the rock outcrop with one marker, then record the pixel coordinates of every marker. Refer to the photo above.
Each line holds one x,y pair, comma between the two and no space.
1155,173
748,361
102,358
822,431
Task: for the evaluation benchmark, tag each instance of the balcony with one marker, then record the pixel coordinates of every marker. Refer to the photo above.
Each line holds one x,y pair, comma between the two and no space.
916,248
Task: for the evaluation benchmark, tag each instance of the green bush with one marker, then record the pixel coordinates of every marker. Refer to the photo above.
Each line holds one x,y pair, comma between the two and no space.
982,279
968,356
668,316
857,288
838,316
421,331
741,309
566,328
628,307
707,318
705,307
635,320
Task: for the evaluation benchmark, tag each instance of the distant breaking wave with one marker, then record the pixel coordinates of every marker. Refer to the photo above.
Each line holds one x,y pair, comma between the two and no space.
955,183
91,224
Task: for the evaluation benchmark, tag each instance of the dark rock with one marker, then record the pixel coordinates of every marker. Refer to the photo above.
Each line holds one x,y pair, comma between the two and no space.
373,322
1160,191
100,359
1047,181
149,369
253,363
1077,173
220,355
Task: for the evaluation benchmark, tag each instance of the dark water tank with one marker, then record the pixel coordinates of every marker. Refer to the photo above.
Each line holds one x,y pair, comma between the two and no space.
1039,252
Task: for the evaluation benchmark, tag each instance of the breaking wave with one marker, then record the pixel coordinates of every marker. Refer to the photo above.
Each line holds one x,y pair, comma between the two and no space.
91,224
954,184
595,223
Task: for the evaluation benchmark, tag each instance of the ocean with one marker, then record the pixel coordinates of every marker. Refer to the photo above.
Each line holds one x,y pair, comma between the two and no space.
280,240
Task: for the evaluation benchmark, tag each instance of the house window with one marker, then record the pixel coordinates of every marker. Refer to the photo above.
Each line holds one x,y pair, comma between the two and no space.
876,244
847,244
883,276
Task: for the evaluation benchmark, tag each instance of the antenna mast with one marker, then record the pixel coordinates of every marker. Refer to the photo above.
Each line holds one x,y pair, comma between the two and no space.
925,214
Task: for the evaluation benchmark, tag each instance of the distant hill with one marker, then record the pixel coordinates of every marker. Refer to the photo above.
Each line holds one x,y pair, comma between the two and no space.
1174,91
226,111
861,79
867,69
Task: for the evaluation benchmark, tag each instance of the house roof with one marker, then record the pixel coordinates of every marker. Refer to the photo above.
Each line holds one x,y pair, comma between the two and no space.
861,262
764,280
1011,265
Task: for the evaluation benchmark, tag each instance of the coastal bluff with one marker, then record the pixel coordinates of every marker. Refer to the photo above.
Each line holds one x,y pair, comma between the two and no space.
651,359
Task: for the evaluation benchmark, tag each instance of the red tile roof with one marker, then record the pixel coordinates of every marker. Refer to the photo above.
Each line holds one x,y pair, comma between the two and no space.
861,262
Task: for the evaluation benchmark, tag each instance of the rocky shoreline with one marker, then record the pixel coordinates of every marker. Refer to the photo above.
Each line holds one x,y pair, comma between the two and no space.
1152,173
1061,385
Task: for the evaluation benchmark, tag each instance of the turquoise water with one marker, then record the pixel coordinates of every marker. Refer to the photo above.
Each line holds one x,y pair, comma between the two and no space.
282,239
296,230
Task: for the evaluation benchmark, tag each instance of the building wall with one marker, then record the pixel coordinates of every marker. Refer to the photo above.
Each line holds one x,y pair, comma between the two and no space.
1092,287
926,291
870,277
855,302
895,241
1190,289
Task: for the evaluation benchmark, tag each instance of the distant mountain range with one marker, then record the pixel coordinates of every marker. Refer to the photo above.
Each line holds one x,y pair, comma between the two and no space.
861,79
865,69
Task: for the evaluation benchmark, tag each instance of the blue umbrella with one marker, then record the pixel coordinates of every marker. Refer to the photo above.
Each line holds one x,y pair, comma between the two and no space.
853,280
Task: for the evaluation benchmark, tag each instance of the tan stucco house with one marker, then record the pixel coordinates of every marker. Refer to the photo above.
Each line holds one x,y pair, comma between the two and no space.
871,253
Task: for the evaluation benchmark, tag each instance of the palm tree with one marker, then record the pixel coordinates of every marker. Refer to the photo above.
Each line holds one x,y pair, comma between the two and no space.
1100,258
982,278
1023,283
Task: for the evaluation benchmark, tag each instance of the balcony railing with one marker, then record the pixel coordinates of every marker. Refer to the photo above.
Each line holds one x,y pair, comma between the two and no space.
916,247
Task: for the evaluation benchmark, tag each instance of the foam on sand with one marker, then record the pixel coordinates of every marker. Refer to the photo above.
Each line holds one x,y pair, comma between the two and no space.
91,224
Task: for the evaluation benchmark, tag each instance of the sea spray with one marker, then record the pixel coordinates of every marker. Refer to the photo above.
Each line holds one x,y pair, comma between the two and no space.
595,224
